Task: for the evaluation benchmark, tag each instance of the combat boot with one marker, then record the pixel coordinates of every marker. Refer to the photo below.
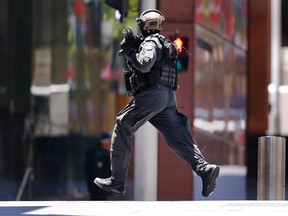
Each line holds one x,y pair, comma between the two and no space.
209,176
110,185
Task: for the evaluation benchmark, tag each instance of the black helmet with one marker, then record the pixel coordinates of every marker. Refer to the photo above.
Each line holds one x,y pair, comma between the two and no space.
151,21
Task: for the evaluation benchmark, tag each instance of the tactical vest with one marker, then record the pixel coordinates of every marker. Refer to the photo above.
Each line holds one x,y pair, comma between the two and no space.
164,70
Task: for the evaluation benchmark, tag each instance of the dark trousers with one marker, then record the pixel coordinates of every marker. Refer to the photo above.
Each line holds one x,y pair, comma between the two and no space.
157,105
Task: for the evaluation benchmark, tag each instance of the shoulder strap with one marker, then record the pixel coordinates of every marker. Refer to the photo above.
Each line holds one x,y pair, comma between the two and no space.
169,48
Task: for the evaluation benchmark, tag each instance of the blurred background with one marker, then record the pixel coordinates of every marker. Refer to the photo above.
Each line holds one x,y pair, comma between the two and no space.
62,85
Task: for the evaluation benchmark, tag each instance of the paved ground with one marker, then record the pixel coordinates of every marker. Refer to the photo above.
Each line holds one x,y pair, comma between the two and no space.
137,208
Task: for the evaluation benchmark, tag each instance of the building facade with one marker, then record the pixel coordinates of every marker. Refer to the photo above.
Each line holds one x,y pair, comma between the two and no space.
62,84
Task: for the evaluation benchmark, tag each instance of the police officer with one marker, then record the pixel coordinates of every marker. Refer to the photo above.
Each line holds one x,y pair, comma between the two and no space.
156,103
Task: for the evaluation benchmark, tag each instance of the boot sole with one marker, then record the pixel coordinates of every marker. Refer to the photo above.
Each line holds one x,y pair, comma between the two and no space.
112,190
212,185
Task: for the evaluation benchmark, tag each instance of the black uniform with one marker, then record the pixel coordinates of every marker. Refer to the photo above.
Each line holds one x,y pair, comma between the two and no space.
156,104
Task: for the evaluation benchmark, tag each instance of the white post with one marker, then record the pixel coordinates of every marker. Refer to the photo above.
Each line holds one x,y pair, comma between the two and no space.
274,118
146,164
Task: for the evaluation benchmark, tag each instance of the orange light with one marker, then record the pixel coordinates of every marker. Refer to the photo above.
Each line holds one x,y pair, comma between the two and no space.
179,43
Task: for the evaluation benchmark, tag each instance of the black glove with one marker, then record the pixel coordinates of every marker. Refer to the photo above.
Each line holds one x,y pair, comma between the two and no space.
126,45
129,41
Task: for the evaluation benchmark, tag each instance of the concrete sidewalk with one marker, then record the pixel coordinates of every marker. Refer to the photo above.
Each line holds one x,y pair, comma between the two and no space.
137,208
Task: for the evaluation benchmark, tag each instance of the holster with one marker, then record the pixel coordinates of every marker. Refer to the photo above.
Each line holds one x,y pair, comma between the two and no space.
127,74
134,79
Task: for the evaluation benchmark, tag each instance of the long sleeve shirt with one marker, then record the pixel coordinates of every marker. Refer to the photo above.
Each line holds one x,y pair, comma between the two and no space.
145,58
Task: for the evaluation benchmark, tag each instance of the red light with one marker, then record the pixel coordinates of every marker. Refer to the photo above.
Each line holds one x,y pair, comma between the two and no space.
179,43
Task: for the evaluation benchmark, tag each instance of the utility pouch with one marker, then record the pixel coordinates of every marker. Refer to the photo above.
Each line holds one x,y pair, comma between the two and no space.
134,80
137,81
127,74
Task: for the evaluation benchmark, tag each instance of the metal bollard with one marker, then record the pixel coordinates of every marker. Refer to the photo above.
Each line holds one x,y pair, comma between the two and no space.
271,168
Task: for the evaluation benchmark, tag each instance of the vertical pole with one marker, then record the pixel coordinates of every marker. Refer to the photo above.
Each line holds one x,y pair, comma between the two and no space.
274,121
271,168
